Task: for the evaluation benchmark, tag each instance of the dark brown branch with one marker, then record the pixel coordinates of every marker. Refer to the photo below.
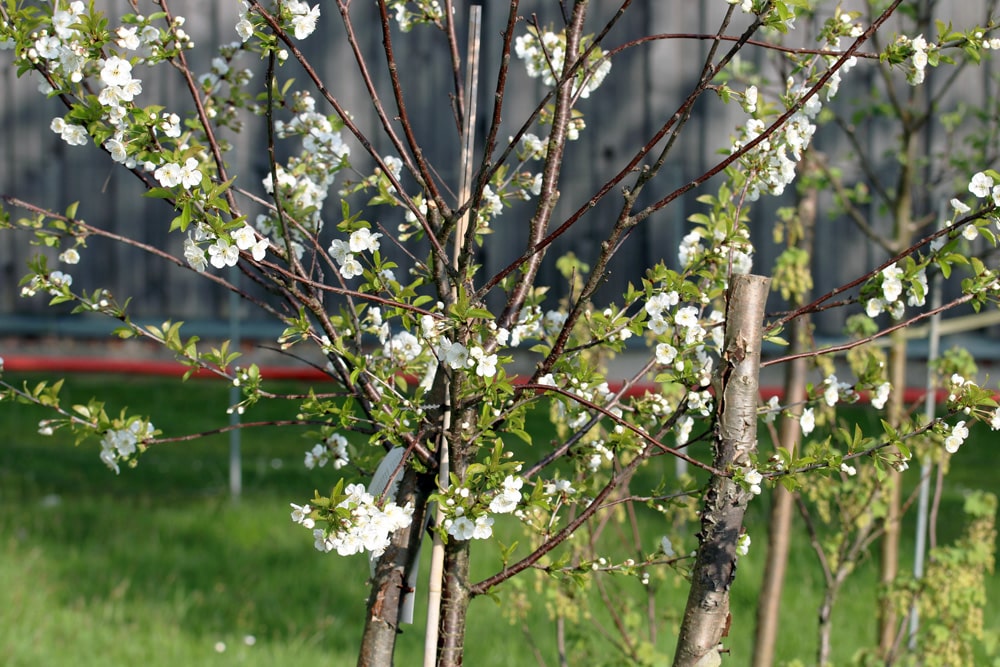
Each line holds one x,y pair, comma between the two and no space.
965,298
423,169
487,584
715,37
813,305
349,123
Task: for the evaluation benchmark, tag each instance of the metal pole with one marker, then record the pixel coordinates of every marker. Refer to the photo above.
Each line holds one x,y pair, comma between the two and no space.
926,465
235,459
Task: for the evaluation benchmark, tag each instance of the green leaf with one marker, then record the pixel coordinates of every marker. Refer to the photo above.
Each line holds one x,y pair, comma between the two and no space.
160,193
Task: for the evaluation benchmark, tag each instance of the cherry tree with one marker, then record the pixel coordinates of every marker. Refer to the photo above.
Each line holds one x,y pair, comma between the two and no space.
371,257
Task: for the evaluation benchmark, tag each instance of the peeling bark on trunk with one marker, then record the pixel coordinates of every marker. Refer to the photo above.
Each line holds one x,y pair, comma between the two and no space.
706,617
382,625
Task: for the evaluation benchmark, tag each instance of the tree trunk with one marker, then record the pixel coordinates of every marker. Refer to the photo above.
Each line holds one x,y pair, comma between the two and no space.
706,617
789,430
780,525
391,573
454,604
455,594
895,409
888,621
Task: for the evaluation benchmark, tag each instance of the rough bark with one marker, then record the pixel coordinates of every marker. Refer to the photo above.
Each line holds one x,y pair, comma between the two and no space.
706,616
389,582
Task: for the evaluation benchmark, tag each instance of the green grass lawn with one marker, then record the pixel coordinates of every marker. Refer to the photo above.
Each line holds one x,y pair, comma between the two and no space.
157,566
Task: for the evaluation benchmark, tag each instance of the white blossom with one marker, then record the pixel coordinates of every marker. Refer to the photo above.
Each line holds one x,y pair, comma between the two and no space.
169,175
881,395
462,528
665,354
892,287
364,240
194,255
753,478
304,18
116,71
506,501
980,185
222,253
773,408
72,134
351,268
486,364
807,421
954,440
743,544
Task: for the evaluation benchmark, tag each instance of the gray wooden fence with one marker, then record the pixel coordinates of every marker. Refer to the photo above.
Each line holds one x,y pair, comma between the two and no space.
645,86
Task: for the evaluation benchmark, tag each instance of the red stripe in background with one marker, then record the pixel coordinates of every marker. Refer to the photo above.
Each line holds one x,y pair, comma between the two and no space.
43,364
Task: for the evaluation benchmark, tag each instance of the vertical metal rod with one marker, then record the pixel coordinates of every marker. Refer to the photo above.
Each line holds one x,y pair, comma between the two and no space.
235,457
926,464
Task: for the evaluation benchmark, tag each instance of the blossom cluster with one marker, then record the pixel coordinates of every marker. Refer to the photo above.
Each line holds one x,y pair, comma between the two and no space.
222,252
771,163
413,12
298,15
54,283
959,432
544,56
304,181
770,166
69,57
743,544
345,252
736,251
467,519
120,445
333,448
892,286
302,17
686,328
431,344
919,60
222,109
837,391
982,186
133,135
356,524
881,395
576,414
